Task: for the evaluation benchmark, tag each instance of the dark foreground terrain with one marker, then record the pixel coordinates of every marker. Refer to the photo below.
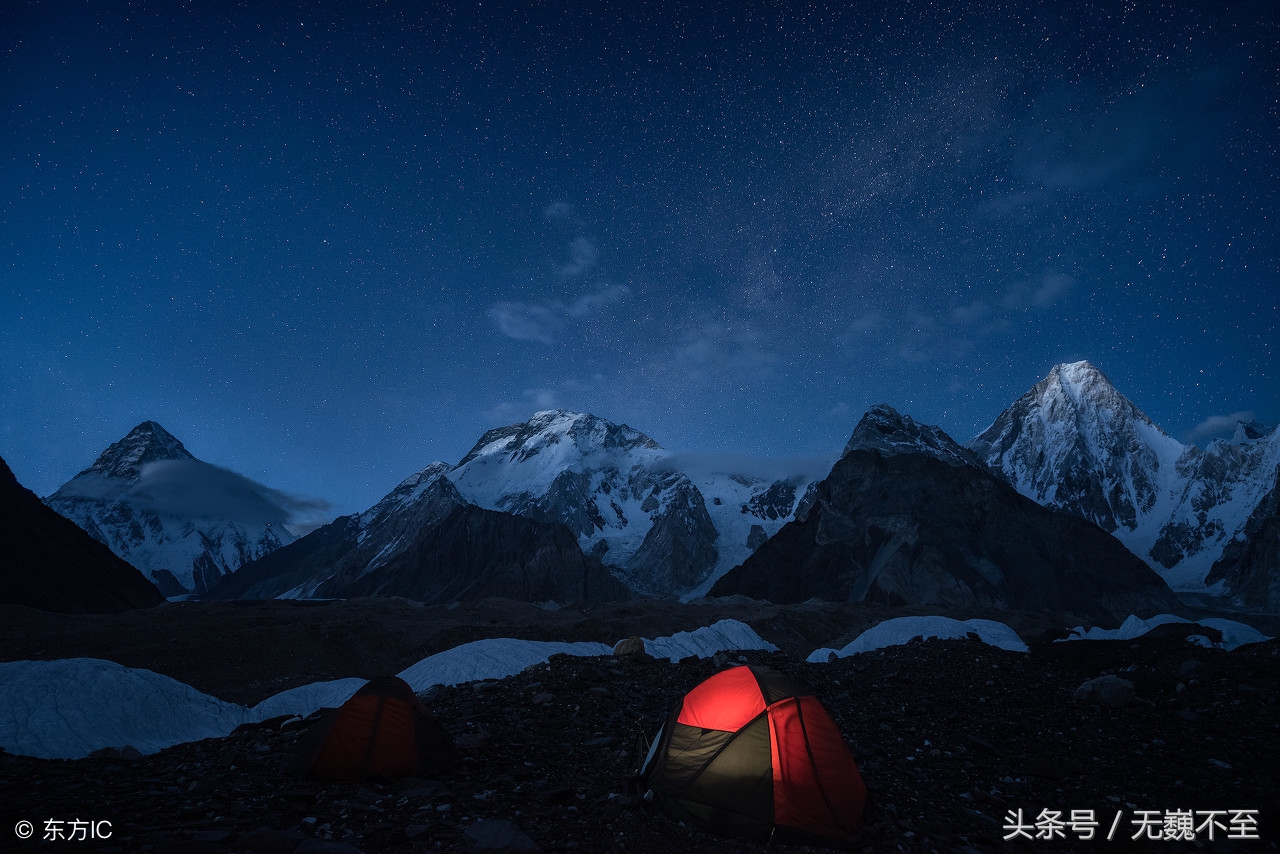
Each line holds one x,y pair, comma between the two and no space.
954,739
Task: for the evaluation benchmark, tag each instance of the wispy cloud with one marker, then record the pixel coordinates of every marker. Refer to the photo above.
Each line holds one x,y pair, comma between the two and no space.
590,303
197,489
1218,426
861,329
526,321
710,346
543,322
583,256
1081,137
558,211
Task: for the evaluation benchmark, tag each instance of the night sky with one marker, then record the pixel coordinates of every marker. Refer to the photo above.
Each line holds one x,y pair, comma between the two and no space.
327,246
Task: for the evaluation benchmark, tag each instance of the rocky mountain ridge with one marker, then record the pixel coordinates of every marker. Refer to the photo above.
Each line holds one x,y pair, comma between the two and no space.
425,542
908,516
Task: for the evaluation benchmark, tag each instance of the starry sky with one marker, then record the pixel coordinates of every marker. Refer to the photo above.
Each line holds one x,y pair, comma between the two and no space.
326,245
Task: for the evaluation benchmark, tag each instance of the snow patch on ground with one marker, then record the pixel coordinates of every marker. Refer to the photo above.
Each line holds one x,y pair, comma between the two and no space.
305,699
1234,634
495,658
901,630
721,636
69,708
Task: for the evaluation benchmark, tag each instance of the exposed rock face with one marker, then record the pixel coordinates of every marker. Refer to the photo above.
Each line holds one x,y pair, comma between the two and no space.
1075,443
776,502
907,516
888,432
47,562
168,583
1250,563
425,542
183,522
680,545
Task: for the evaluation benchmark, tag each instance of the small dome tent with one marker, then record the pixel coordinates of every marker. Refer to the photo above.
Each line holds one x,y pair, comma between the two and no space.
383,730
751,753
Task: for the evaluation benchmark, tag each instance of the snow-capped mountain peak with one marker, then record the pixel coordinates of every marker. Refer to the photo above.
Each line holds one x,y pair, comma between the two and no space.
428,488
1081,393
558,432
533,457
146,443
1075,443
663,530
184,522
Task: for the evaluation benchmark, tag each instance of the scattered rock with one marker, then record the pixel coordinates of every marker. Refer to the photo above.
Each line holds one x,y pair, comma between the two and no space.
630,646
1110,692
944,767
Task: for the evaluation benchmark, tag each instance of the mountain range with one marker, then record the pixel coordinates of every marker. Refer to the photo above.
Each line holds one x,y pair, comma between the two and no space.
569,505
546,505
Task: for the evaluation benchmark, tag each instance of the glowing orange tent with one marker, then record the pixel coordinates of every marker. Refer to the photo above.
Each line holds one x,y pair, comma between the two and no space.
382,731
750,753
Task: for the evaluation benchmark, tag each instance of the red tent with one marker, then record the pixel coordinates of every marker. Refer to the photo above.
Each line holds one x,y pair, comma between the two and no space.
749,753
382,731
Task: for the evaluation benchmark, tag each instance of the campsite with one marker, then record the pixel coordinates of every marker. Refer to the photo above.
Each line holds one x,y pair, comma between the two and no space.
954,738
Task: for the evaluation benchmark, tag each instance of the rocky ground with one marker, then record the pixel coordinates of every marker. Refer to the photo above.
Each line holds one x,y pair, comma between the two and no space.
953,738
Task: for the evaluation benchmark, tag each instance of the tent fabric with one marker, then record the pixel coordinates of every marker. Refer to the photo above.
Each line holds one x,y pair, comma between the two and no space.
749,752
383,730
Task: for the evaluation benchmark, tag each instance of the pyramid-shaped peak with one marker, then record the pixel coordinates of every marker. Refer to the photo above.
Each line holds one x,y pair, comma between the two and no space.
1083,375
1081,368
147,443
1080,387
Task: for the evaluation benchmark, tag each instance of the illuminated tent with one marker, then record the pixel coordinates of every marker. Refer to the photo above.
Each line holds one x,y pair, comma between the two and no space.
382,731
750,753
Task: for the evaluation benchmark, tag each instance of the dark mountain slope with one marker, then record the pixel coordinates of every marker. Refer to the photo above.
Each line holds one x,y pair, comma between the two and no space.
425,542
905,521
47,562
